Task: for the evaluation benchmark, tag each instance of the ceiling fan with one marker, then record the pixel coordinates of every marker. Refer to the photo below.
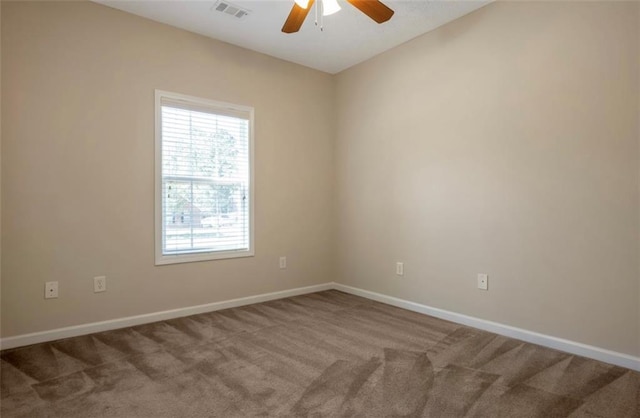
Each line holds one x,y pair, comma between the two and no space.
375,9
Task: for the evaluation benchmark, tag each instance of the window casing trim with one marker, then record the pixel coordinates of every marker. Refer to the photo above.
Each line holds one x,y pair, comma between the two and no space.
205,255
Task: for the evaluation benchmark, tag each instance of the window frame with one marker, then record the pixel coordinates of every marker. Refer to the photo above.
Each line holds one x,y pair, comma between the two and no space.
196,256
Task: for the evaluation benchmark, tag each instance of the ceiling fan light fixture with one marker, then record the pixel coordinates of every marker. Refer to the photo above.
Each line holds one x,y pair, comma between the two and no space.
329,7
375,9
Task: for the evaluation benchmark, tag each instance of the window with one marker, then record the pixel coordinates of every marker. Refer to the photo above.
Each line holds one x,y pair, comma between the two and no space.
204,179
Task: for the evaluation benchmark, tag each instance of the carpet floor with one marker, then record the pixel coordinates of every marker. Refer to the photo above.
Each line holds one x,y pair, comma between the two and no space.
326,354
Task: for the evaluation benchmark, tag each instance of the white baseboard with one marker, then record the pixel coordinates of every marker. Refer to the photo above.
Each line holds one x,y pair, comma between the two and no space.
607,356
84,329
568,346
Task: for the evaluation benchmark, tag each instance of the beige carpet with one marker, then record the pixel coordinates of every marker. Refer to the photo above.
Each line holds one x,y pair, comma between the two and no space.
325,354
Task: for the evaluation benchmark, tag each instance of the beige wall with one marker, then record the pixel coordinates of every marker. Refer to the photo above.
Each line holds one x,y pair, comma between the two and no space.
507,142
504,143
0,167
78,158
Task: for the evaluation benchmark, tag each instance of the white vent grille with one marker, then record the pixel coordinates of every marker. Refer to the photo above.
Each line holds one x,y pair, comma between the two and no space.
230,9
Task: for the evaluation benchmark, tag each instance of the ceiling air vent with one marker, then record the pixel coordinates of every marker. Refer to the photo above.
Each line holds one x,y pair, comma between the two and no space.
230,9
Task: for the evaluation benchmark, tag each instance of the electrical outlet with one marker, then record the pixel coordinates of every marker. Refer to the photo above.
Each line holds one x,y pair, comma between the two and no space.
51,290
99,284
400,269
483,281
283,262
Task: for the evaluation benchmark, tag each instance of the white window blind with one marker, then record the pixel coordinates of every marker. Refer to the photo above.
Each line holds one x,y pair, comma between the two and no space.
204,179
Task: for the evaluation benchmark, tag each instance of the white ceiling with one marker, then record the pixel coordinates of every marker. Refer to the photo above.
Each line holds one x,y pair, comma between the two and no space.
349,36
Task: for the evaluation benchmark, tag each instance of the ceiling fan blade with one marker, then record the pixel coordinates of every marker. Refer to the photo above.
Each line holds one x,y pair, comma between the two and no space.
375,9
296,18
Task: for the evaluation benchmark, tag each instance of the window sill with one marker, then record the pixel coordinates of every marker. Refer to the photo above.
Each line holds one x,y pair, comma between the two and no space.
162,260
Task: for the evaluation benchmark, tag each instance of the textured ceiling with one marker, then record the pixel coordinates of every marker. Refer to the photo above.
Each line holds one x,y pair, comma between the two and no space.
349,37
